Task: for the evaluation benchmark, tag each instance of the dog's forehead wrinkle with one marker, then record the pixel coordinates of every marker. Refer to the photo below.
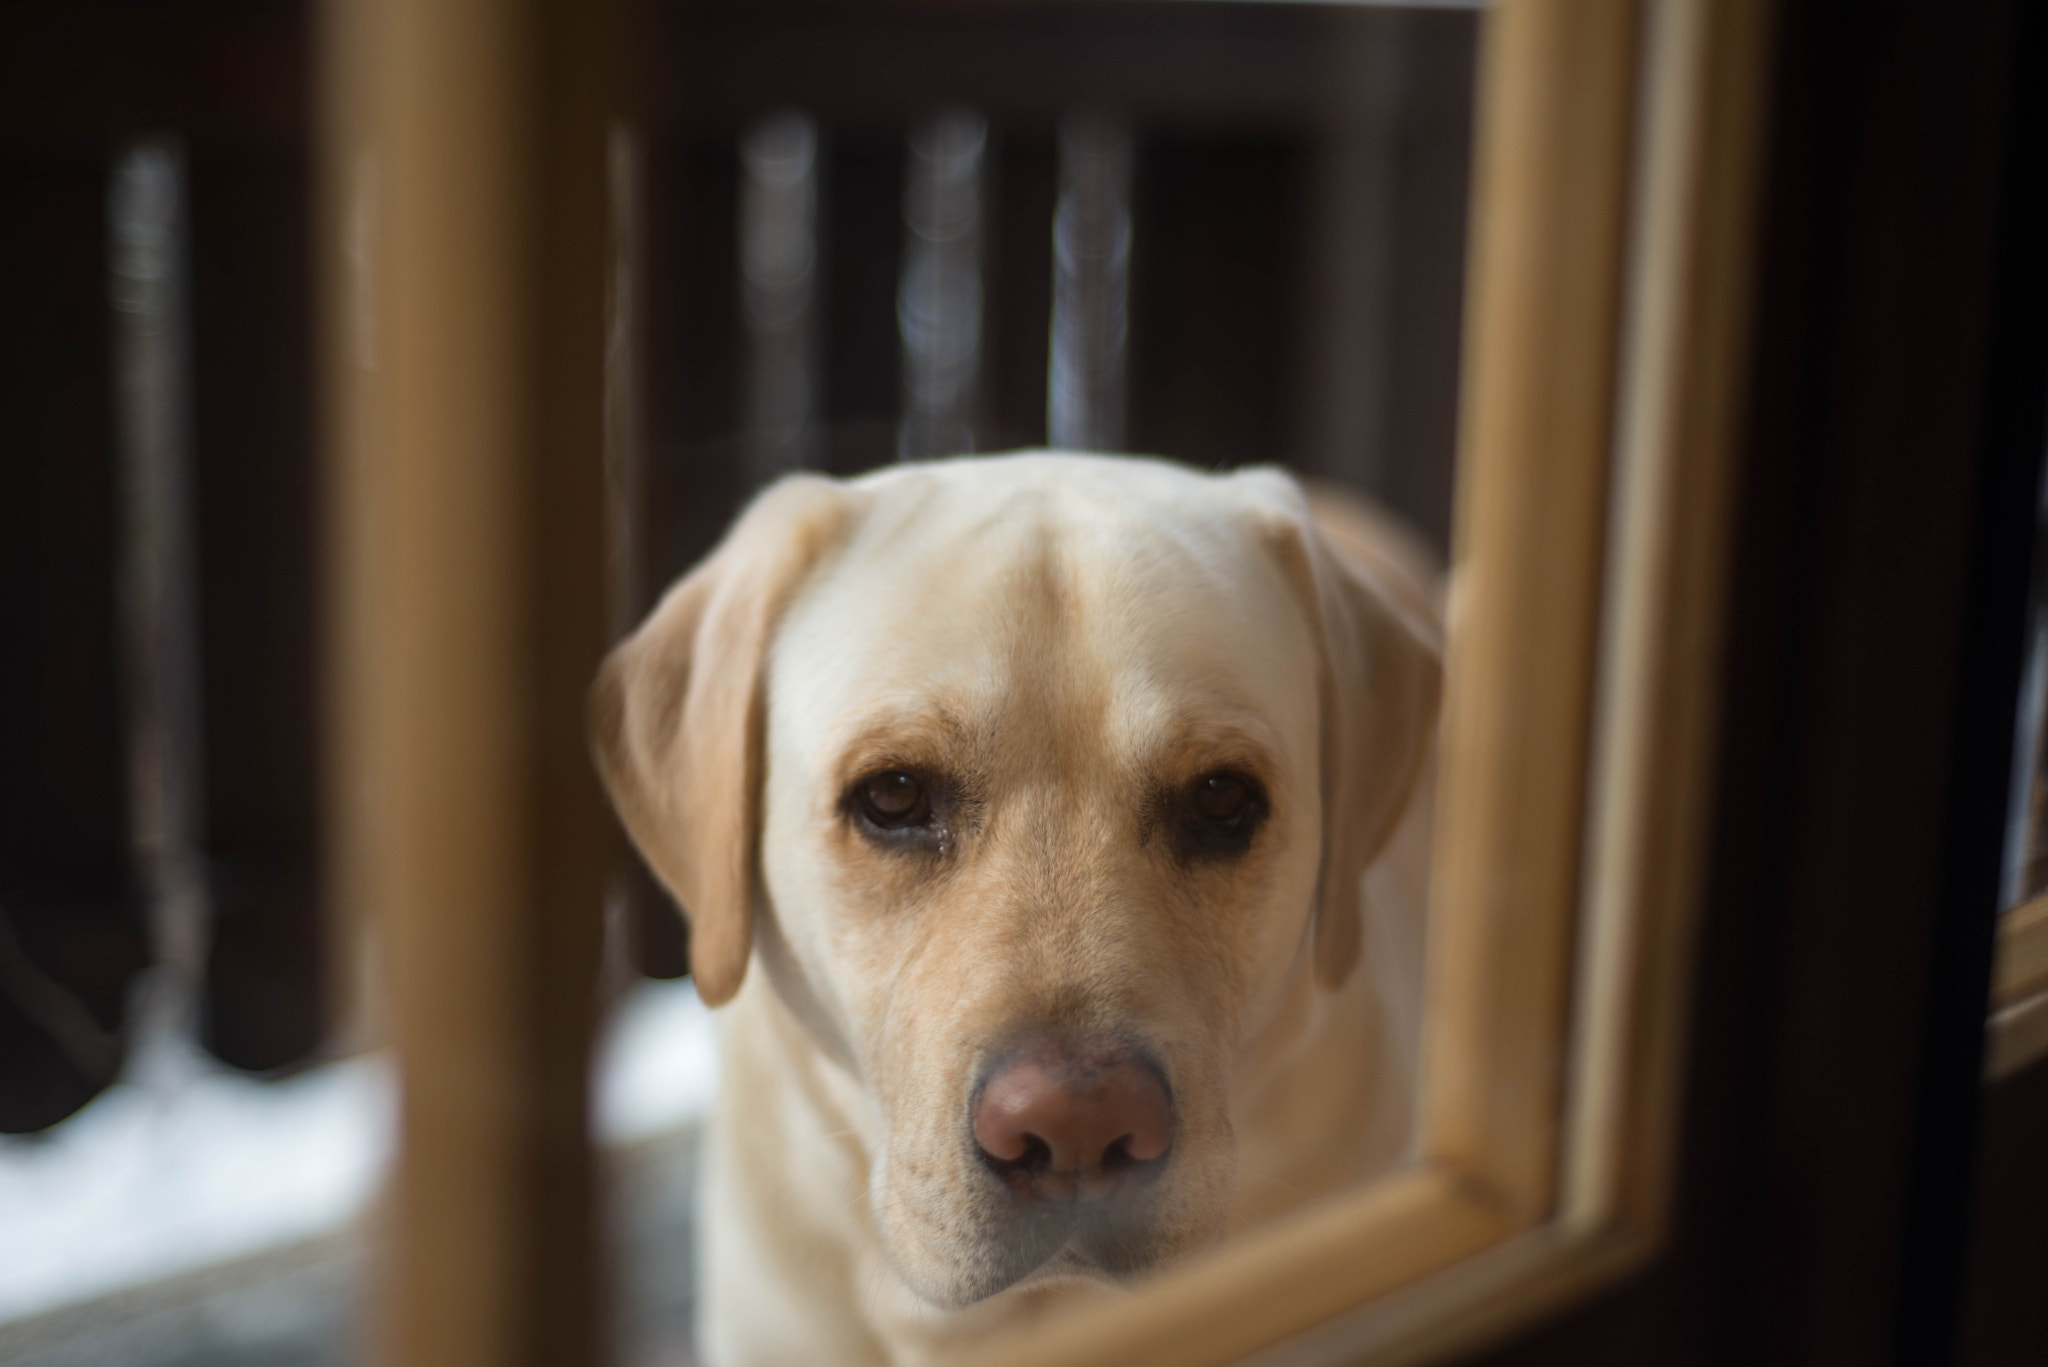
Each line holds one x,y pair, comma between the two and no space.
1045,564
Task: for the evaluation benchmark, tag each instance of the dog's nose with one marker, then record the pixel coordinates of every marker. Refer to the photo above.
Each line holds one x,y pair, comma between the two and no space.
1074,1125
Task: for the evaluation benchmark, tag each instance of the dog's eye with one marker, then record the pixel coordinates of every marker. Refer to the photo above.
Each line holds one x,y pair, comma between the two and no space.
893,800
1219,815
1222,799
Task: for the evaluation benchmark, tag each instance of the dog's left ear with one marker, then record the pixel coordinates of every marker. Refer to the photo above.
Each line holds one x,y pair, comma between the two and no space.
1382,677
676,719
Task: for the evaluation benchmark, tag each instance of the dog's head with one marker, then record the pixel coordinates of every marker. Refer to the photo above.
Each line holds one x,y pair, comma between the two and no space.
1037,783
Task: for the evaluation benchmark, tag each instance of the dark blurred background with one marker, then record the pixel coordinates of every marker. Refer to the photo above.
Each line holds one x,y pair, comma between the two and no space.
1223,232
844,235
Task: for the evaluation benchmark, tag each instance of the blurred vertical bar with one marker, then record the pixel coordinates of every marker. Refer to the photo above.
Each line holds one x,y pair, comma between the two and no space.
469,484
147,222
642,928
860,274
778,232
1091,241
1356,189
1022,180
265,1001
625,442
939,302
348,190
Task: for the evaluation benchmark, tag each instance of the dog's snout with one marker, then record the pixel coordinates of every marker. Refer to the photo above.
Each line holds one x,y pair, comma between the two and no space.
1074,1125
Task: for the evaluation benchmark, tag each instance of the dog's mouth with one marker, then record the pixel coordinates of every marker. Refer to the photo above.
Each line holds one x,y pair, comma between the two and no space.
1072,1162
1103,1243
1072,1265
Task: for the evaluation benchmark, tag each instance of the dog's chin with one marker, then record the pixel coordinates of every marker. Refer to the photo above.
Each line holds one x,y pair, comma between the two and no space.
1040,1250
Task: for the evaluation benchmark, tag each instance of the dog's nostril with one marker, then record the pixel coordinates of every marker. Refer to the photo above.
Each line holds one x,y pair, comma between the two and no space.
1036,1157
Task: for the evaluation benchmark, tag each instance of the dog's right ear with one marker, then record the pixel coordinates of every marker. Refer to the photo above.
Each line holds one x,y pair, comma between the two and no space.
676,719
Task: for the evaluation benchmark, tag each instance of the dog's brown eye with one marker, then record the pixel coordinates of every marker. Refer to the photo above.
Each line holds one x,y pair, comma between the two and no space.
1217,817
1222,799
893,800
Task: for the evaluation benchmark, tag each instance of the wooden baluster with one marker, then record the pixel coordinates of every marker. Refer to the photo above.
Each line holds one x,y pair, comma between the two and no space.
466,386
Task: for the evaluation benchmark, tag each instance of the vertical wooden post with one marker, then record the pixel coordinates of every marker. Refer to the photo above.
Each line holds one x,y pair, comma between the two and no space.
466,191
1535,450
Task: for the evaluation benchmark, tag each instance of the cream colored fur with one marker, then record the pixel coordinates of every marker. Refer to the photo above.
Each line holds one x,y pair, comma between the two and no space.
1072,640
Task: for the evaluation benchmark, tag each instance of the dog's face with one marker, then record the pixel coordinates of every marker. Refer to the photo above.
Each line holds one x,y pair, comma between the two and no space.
1040,780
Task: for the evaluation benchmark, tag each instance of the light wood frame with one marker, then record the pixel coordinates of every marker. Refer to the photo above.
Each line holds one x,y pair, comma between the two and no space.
464,196
1608,285
1605,333
2019,991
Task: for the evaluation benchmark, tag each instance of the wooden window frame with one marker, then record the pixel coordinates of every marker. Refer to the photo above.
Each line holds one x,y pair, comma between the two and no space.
2019,991
1607,317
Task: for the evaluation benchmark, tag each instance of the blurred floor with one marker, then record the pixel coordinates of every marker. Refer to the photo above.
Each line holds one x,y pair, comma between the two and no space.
302,1306
194,1215
654,1240
294,1307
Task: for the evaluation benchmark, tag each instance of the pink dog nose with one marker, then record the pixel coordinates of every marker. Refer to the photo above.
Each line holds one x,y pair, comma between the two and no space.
1074,1126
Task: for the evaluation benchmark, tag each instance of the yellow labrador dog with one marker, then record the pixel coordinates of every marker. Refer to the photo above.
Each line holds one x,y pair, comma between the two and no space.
1056,827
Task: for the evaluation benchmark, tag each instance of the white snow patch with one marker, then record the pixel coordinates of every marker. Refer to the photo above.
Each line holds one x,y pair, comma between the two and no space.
197,1165
659,1070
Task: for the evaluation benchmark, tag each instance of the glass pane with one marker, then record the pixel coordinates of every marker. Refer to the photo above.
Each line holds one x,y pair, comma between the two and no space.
1223,234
